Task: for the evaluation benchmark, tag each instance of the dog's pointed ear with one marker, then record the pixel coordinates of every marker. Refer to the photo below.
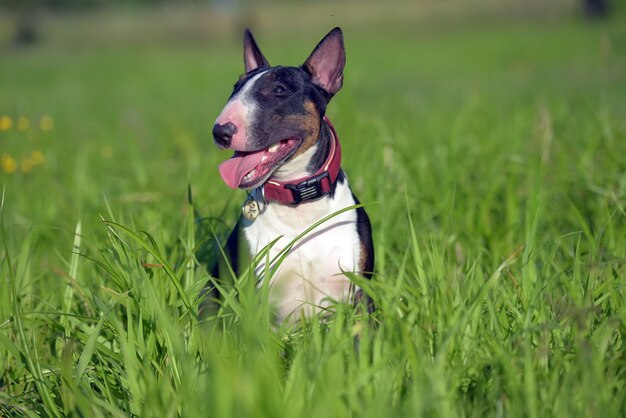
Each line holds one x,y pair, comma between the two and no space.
326,62
252,56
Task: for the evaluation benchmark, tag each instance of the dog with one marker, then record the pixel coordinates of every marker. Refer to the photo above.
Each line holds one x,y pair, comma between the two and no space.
288,158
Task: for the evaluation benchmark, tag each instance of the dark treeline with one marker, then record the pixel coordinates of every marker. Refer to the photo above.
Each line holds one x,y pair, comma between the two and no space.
16,5
27,12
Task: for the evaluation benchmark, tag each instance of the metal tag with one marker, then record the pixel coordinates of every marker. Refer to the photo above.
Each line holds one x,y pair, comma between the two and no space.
250,209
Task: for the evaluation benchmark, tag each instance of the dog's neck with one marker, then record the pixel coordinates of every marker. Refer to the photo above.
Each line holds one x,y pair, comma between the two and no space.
307,163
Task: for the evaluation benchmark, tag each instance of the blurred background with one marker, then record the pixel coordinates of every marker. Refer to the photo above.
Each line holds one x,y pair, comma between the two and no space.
109,104
74,23
497,126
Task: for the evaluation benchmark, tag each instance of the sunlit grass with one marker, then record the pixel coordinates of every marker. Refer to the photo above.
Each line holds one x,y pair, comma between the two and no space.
490,161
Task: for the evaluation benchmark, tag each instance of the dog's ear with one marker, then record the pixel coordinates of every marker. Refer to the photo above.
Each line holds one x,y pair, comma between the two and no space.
326,62
252,56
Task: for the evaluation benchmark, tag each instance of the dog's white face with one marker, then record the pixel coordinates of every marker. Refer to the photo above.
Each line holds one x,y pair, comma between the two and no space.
274,114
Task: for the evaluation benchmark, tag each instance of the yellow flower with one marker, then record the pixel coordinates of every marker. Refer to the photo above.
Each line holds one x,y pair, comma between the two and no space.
46,123
27,165
5,123
23,123
36,157
9,165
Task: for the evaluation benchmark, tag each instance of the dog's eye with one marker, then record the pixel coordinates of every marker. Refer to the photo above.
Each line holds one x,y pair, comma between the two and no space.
278,89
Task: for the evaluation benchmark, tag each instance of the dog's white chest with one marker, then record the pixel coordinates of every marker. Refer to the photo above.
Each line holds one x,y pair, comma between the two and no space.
311,276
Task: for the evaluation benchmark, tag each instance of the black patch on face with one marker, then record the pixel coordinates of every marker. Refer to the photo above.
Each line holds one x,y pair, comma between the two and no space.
280,94
243,79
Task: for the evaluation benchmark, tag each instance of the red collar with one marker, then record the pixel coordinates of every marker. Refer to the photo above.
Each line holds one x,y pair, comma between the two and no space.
321,183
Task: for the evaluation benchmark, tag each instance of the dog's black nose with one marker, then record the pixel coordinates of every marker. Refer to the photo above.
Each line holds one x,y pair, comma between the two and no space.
223,134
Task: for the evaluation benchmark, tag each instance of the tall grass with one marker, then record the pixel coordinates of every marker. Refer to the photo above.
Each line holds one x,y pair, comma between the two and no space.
490,160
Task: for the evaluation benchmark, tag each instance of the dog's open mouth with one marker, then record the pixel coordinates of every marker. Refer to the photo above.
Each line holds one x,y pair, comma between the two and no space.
247,170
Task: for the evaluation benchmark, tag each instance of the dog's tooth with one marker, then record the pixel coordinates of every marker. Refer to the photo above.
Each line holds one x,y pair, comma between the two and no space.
274,147
264,158
249,175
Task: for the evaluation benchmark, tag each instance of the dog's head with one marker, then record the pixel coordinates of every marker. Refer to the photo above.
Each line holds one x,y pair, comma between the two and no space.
274,115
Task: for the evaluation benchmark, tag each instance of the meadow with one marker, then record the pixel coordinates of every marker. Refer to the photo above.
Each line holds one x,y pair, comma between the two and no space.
490,154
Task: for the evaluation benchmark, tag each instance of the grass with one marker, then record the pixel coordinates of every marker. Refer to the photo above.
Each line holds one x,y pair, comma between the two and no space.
491,161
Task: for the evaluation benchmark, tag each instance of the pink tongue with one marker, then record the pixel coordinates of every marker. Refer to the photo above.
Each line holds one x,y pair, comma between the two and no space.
240,164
